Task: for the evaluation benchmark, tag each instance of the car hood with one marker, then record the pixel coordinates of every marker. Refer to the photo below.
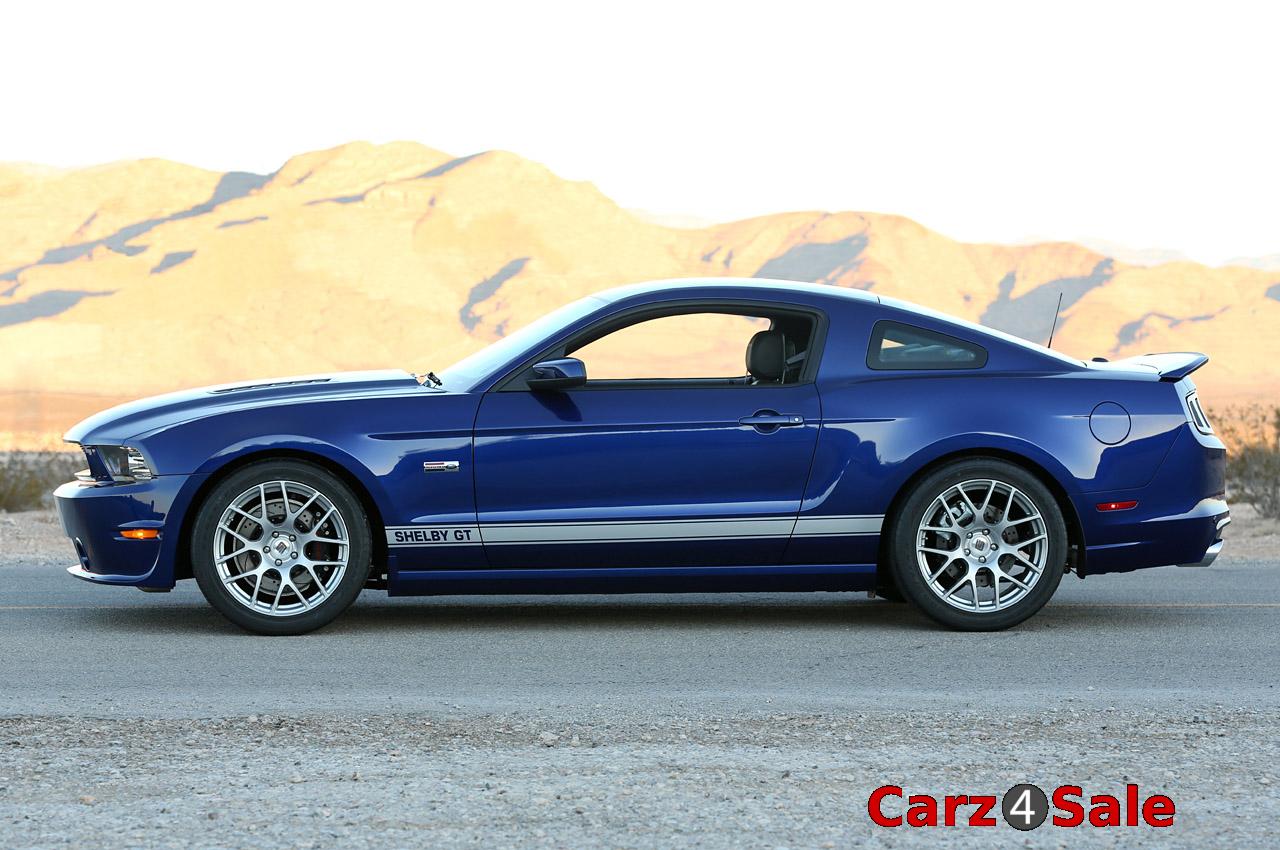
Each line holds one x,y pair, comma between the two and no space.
138,418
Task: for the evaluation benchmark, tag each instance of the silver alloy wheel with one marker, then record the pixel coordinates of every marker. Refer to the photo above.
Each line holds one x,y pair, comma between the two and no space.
982,545
281,547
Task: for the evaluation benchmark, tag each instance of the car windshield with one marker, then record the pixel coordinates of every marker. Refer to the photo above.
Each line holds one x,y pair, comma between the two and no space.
469,371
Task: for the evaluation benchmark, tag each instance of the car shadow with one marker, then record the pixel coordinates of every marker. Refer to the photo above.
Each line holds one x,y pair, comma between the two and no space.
540,613
619,613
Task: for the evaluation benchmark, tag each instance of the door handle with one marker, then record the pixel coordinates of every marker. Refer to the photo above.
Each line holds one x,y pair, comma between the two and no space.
768,419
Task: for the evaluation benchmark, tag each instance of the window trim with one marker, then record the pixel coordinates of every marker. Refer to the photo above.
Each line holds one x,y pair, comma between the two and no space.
884,326
514,380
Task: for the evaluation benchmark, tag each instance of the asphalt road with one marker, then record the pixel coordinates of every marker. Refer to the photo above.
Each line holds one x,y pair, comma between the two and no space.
1148,637
136,720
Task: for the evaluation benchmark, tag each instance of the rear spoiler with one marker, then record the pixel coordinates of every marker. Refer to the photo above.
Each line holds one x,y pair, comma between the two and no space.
1170,366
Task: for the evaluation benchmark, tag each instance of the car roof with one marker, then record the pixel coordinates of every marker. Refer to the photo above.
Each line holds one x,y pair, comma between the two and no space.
734,285
740,286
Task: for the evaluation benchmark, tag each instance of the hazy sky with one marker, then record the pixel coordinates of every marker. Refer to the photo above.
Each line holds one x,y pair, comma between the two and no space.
1152,125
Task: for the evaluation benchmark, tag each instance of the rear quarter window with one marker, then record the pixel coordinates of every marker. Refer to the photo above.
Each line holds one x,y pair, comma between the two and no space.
895,345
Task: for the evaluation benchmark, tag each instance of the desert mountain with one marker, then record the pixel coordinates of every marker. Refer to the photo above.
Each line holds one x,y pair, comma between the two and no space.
135,278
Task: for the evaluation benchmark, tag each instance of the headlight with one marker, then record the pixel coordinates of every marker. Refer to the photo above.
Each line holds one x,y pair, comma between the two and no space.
123,464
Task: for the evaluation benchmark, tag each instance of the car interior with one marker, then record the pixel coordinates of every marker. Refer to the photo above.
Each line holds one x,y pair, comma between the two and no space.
775,356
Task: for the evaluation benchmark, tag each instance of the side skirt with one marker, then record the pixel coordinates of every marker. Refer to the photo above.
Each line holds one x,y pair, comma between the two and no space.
787,577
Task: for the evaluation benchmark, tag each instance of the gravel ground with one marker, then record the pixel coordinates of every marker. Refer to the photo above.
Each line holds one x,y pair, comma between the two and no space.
609,780
134,721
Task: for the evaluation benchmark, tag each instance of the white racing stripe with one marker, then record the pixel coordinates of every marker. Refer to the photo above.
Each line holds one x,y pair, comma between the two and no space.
837,526
605,532
631,531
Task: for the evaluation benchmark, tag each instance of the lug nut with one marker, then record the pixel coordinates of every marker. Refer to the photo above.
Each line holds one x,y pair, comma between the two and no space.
966,551
980,561
275,534
266,548
968,534
293,537
278,562
293,554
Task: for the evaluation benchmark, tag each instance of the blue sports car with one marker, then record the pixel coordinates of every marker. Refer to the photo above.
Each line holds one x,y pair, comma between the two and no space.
866,444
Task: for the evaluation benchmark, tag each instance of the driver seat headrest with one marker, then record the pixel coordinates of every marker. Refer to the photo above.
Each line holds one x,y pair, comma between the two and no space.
766,356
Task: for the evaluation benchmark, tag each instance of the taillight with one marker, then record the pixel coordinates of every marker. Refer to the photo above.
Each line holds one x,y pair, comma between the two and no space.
1196,414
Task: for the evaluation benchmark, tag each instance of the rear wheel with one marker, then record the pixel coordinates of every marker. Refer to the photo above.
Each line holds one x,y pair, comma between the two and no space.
979,545
281,547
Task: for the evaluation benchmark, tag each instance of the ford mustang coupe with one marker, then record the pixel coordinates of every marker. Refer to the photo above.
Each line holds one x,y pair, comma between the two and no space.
621,444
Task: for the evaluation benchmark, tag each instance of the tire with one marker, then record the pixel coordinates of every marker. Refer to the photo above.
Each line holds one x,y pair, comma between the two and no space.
979,545
318,552
886,589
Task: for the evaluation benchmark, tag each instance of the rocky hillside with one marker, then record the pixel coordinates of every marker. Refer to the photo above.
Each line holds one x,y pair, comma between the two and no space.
134,278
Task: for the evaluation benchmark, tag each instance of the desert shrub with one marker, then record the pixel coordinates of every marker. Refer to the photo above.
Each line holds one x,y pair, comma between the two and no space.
28,479
1252,435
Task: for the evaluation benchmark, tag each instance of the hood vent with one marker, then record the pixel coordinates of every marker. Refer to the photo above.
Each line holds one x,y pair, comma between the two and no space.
270,385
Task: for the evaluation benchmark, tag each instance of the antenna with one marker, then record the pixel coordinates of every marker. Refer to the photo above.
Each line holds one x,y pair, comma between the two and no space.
1054,326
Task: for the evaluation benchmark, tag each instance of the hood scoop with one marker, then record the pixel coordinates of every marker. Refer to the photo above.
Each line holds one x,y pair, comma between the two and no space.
270,385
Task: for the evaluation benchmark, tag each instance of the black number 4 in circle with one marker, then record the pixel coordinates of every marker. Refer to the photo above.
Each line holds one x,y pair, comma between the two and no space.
1024,807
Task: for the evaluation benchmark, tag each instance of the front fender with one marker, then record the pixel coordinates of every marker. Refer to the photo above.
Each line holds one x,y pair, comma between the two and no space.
297,444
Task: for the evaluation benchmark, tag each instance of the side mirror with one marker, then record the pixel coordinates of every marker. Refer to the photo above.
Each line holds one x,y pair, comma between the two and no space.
562,374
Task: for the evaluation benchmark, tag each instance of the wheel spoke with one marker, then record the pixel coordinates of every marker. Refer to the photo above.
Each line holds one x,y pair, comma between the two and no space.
228,557
1029,564
305,505
1019,582
941,570
321,590
247,574
1008,506
302,597
258,521
237,535
315,527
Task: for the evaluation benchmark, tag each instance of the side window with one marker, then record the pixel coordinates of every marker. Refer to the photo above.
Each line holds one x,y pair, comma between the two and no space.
691,346
899,346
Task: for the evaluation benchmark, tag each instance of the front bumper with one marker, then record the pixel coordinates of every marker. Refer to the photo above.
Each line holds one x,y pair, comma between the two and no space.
94,515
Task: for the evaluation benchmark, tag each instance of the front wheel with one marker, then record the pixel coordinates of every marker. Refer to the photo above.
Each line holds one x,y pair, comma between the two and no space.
979,545
281,547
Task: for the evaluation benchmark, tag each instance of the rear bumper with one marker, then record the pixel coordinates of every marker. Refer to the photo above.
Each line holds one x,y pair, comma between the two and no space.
94,516
1211,554
1191,538
1178,518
